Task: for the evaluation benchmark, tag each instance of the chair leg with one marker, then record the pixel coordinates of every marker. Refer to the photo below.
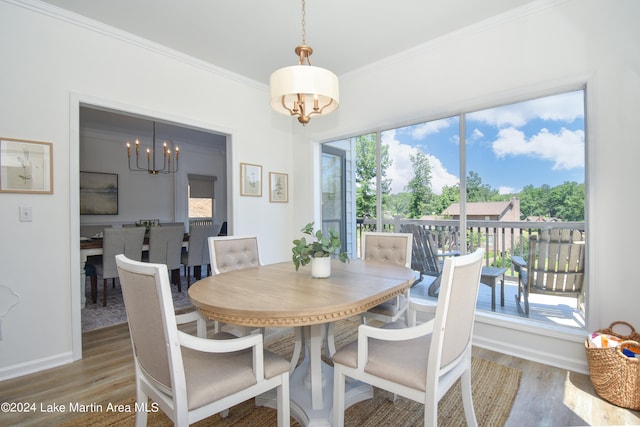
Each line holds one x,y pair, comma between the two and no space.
338,397
94,288
297,348
284,408
467,400
175,278
142,399
331,339
104,292
197,272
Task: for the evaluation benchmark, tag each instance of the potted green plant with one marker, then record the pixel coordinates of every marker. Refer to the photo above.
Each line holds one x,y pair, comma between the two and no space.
318,251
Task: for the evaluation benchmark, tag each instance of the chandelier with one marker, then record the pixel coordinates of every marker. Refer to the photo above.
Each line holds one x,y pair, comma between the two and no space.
151,157
303,90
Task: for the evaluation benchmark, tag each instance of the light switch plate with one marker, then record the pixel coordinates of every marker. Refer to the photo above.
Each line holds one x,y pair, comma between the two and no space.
25,214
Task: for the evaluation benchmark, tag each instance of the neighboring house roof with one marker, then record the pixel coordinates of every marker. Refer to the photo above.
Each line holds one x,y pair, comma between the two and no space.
540,219
480,209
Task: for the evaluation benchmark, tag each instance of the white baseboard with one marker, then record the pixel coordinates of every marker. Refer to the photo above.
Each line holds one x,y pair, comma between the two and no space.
20,369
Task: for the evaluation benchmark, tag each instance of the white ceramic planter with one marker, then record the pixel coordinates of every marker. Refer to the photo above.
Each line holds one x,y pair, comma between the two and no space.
321,267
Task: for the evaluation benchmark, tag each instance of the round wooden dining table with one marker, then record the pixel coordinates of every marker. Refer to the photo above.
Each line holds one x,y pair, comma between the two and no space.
276,295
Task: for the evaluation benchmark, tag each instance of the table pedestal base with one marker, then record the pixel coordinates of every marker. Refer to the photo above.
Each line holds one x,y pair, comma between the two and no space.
301,407
311,386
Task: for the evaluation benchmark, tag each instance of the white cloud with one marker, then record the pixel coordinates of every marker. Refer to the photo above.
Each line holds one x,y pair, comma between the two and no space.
475,135
560,148
506,190
401,171
420,131
565,107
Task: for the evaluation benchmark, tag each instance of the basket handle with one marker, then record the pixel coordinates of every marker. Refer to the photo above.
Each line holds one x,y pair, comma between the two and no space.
620,322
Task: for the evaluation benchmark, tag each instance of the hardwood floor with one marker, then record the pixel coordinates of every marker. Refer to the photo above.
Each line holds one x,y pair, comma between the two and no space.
547,396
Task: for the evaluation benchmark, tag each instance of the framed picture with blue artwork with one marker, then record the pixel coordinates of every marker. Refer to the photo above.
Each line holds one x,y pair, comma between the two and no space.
98,193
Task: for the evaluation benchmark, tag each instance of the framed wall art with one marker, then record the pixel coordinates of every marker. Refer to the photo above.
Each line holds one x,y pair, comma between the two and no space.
278,187
26,166
250,180
98,193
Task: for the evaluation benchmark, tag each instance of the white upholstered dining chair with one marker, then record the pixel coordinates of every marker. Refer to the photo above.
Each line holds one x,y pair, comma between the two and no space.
419,362
393,248
229,253
191,378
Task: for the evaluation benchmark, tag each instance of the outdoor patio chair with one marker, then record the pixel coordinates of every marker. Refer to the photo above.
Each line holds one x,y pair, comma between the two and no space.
425,258
554,266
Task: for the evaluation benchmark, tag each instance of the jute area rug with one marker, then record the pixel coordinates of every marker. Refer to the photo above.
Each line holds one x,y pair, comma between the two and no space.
494,388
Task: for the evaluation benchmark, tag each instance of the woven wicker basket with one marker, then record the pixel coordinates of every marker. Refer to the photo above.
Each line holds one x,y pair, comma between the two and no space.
616,377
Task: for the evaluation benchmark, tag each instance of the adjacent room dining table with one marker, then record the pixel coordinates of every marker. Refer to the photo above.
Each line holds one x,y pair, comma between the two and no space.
278,296
93,246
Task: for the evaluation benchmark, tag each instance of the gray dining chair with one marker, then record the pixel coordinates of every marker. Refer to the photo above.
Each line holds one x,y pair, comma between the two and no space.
165,247
191,378
127,241
197,253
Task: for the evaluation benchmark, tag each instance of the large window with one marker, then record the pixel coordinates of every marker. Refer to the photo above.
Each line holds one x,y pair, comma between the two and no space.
498,175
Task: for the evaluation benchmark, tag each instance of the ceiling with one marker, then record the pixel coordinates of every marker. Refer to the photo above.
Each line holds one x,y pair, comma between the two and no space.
132,126
253,38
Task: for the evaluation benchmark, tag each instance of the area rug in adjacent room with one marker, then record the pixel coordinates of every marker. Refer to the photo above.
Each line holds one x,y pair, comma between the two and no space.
95,316
494,389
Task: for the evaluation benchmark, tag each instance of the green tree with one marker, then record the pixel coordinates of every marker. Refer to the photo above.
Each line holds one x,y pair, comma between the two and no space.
566,201
366,174
450,194
534,201
420,185
479,192
398,204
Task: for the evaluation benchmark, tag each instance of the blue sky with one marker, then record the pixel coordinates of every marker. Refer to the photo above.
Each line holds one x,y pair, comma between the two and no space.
534,142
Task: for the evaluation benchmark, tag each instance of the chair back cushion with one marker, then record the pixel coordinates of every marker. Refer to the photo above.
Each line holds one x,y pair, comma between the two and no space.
233,253
198,253
394,248
455,313
165,245
127,241
147,321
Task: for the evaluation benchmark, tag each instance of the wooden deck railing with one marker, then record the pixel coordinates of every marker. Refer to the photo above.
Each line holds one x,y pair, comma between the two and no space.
500,239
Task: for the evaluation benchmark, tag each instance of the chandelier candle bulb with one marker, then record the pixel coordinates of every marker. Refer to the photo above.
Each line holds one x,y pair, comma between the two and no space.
151,161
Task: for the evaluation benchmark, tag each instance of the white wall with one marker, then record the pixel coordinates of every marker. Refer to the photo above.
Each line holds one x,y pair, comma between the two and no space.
546,47
48,67
145,196
49,64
